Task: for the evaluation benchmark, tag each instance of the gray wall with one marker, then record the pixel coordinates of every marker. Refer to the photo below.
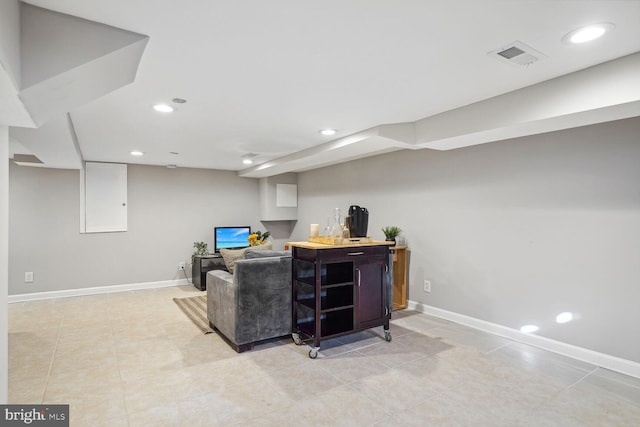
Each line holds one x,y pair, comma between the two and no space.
169,209
4,263
10,62
512,232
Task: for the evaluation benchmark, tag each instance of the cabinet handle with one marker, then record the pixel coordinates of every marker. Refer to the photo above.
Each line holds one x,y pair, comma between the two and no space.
358,281
355,253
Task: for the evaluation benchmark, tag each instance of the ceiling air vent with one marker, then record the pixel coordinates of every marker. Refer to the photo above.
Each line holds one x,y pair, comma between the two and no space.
518,53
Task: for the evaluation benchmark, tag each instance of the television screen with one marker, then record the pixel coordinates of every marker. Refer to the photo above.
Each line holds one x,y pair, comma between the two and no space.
231,238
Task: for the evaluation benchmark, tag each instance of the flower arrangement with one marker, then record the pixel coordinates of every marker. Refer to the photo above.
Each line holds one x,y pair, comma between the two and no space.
258,238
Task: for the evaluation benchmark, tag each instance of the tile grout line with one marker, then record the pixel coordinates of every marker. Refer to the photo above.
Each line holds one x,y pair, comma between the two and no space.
583,377
616,380
562,390
500,347
115,349
605,390
53,357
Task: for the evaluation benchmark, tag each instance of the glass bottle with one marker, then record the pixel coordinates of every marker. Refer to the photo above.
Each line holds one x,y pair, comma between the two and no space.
346,230
327,230
336,229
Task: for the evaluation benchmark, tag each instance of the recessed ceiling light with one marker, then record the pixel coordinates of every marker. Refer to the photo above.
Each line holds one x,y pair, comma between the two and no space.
179,100
328,132
136,153
163,108
588,33
247,159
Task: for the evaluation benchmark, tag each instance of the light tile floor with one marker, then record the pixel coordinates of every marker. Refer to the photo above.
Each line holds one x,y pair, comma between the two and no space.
134,359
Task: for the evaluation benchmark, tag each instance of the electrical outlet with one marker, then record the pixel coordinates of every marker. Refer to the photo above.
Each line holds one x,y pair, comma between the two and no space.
182,266
28,277
427,285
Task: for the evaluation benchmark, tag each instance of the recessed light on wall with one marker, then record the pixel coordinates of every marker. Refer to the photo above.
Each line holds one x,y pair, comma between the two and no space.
588,33
136,153
163,108
328,132
528,329
564,317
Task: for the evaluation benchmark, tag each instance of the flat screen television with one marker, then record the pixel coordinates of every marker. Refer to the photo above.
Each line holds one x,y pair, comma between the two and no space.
231,238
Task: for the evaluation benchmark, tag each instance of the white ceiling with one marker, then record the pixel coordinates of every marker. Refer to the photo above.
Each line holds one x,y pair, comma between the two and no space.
265,76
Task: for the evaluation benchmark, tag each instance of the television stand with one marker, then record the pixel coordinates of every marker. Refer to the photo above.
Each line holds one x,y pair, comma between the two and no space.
203,264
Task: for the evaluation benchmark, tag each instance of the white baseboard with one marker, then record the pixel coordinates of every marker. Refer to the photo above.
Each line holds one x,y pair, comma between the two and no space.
93,291
603,360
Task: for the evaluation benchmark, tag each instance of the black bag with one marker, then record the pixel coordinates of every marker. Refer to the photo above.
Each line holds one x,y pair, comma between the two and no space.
358,221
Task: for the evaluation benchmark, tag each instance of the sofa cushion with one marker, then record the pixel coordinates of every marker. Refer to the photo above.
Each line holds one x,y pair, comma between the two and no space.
230,256
252,254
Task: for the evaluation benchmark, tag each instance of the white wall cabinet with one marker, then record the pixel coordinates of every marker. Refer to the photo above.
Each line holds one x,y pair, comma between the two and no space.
105,197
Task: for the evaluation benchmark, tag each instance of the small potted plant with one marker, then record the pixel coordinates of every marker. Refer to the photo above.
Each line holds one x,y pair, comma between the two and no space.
201,249
391,232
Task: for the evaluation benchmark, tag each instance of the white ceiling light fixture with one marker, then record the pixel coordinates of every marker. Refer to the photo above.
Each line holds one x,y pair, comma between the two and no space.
588,33
136,153
328,132
163,108
247,159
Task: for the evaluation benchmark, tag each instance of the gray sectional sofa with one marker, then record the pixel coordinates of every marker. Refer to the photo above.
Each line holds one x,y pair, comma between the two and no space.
253,302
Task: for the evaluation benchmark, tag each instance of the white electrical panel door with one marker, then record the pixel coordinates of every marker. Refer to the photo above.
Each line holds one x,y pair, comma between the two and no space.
105,197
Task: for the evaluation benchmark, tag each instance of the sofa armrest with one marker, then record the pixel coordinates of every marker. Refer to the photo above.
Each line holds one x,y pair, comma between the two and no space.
221,301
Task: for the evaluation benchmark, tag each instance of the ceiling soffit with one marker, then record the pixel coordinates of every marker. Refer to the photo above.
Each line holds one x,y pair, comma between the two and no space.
67,62
606,92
